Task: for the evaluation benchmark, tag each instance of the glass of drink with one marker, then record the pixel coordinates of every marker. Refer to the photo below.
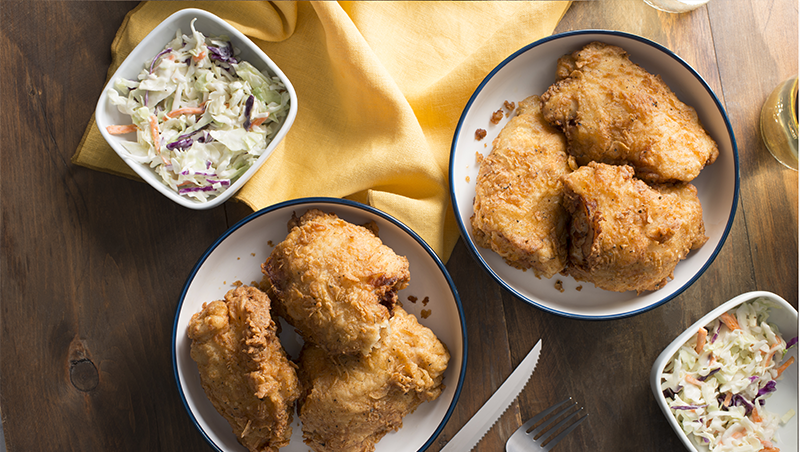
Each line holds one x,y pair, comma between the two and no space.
676,6
779,123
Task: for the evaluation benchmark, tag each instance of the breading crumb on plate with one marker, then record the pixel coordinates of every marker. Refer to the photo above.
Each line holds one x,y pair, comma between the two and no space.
497,116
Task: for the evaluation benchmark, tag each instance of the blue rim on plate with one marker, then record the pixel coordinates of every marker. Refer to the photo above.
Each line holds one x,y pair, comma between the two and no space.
465,228
341,202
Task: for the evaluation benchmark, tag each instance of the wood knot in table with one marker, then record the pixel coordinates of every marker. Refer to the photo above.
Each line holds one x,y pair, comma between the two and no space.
82,371
83,375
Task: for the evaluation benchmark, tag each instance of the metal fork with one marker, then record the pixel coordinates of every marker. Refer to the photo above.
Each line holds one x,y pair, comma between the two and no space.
524,441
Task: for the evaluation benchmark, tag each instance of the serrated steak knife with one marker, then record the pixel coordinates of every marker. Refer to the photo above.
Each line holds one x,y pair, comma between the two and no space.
490,412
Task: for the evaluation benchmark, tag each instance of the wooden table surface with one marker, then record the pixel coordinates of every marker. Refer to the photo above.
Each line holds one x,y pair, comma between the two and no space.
93,264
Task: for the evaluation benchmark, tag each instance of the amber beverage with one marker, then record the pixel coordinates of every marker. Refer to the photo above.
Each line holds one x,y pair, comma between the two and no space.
779,123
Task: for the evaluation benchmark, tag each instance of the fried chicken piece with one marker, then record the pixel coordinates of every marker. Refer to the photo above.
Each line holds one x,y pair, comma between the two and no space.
349,402
244,369
626,235
335,282
613,111
517,204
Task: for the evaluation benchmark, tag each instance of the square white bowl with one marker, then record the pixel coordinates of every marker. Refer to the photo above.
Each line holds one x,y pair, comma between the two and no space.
210,25
784,316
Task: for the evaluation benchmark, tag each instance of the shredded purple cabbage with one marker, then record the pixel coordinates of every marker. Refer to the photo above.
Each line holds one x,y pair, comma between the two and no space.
223,54
670,393
186,173
224,182
180,144
768,388
194,189
152,66
185,141
248,108
713,371
792,342
716,333
160,54
738,400
688,407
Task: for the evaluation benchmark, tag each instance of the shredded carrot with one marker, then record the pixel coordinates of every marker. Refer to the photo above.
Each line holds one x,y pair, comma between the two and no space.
186,111
727,400
785,365
755,416
770,449
729,321
701,340
770,354
154,133
258,121
200,56
120,130
156,139
768,446
738,434
692,380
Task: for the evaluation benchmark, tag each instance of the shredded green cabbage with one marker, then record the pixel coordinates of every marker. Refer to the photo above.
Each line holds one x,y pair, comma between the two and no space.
717,394
214,114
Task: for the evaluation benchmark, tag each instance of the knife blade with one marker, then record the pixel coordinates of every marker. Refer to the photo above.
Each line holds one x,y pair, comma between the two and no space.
474,430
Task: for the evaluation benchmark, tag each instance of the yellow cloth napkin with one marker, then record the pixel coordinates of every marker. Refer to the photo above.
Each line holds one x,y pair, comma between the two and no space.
380,86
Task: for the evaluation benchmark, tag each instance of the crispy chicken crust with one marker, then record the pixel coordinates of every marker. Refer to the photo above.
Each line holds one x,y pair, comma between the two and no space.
244,369
350,402
613,111
517,204
335,282
626,235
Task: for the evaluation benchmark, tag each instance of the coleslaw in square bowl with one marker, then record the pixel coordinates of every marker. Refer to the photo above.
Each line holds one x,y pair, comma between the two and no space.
196,109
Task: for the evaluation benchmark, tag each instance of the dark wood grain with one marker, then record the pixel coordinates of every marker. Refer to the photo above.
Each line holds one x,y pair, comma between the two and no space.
92,265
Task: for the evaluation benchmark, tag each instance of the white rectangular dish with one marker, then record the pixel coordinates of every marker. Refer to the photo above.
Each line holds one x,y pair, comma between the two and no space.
107,114
784,399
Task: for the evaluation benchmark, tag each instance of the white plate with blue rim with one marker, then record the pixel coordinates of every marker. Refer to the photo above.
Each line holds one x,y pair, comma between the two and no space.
236,257
531,70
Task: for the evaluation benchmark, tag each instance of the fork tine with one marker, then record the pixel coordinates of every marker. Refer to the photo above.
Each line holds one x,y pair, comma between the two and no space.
561,435
544,413
545,424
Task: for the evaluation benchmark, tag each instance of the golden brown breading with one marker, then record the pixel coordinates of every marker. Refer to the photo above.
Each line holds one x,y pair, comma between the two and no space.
335,282
518,212
613,111
244,369
626,235
350,402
